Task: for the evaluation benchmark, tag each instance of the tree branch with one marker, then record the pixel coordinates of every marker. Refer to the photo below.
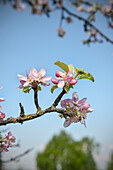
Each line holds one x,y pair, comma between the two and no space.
58,98
34,115
18,156
88,23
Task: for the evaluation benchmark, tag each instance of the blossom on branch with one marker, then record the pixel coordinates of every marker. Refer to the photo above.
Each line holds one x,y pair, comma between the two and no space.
61,32
6,142
64,77
77,110
34,76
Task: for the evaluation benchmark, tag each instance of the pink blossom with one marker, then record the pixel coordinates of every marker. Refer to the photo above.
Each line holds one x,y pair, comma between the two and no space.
92,9
61,32
77,108
34,76
6,142
64,77
80,8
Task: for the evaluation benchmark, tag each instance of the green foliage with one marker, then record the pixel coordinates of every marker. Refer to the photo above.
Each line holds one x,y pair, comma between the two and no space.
62,65
83,75
38,88
72,68
53,88
63,152
110,163
26,89
67,87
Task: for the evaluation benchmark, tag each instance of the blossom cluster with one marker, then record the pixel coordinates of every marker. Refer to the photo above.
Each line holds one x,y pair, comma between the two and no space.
33,77
6,142
77,109
64,77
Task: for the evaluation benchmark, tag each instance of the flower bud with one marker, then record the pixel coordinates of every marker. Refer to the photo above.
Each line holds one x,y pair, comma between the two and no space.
55,81
73,81
58,73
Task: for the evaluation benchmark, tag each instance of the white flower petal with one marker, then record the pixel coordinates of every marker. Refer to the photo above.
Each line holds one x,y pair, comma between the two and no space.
61,84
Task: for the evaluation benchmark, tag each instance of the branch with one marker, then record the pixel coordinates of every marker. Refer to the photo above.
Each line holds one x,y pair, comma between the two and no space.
16,157
35,115
58,98
88,23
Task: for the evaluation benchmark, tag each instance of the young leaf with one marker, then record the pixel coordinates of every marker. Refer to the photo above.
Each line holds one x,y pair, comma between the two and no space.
26,89
38,88
87,76
72,68
62,65
53,88
80,71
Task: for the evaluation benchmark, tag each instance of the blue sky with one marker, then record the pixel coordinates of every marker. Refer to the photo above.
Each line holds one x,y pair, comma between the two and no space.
27,41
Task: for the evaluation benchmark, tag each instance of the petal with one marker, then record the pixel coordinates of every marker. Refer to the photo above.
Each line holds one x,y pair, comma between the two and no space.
20,87
69,75
75,97
55,81
61,84
0,107
2,100
0,87
22,77
45,79
26,73
82,101
65,102
42,72
33,73
67,122
26,84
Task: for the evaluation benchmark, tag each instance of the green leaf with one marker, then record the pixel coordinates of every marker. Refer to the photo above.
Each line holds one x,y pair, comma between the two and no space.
67,87
62,65
26,89
80,71
72,68
83,75
87,76
38,88
53,88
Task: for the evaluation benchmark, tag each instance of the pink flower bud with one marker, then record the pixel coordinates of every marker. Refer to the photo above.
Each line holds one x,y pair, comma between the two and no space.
55,81
57,73
73,81
2,115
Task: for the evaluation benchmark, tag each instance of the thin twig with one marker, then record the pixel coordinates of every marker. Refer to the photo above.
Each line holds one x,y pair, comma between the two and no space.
88,23
17,157
57,100
21,110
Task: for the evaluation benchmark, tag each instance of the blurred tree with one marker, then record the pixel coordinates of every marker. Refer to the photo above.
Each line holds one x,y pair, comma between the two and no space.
110,164
63,153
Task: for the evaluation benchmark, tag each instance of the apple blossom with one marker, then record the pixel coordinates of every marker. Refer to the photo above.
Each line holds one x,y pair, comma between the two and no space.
34,76
81,8
61,32
64,77
77,108
6,142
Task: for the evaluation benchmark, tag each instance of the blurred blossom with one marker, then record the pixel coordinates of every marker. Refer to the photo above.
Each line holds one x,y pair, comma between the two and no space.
61,32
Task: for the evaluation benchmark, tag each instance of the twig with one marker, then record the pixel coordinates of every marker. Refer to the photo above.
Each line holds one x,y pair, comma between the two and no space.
16,157
58,98
33,116
88,23
21,110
